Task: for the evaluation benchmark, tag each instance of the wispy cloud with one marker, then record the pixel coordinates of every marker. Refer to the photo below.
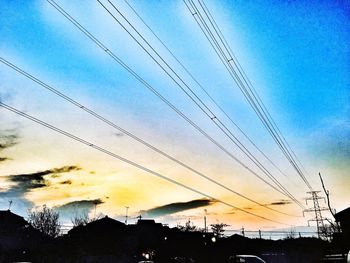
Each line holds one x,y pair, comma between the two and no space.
230,213
64,169
281,202
5,96
8,138
332,138
176,207
7,141
275,203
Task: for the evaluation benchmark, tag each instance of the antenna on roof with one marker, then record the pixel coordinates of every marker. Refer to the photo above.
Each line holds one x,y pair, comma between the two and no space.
10,204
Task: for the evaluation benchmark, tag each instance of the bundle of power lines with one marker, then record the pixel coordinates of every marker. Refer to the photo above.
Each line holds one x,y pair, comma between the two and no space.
209,27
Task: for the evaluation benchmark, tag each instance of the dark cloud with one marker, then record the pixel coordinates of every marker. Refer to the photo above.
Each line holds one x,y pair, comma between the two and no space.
56,172
78,207
119,134
278,202
26,182
230,213
30,181
281,202
66,182
64,169
177,207
3,159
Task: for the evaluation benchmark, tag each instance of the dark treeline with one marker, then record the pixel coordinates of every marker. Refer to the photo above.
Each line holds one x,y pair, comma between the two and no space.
108,240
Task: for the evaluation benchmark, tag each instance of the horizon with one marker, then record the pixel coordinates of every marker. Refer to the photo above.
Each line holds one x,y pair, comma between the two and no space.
275,234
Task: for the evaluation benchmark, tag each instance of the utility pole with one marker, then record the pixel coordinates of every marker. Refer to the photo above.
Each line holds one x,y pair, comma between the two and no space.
126,215
317,210
333,223
205,224
243,234
10,204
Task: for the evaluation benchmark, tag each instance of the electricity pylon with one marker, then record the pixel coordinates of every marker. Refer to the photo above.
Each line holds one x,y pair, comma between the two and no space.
317,210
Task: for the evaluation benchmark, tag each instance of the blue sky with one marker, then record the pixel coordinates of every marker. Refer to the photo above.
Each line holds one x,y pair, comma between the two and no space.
295,53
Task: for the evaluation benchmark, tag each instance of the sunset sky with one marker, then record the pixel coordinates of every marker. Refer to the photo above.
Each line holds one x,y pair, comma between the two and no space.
296,54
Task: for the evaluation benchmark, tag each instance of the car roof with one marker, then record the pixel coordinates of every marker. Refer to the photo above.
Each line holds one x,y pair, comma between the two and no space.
250,256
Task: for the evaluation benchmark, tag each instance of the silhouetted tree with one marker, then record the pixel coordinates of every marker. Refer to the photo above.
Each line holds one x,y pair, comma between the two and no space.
218,229
45,220
83,219
80,220
291,234
188,227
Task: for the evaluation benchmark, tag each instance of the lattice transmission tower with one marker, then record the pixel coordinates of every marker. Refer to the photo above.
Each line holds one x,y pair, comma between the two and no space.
318,212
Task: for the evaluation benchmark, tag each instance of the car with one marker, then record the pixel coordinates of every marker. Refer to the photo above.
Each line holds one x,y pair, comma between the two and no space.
246,258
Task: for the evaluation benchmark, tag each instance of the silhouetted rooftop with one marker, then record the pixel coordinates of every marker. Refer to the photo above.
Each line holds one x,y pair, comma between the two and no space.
7,217
343,215
148,222
105,224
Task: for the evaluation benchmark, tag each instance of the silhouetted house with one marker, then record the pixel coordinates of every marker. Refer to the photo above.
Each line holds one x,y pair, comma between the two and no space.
10,221
17,238
167,243
105,236
343,218
148,223
148,229
146,235
105,225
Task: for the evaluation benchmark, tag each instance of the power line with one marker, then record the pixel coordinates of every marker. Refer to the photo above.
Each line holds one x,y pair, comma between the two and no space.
240,69
203,89
221,54
194,97
245,86
131,135
225,59
155,92
116,156
259,104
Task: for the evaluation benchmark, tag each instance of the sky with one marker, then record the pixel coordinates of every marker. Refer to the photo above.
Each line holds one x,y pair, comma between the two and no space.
296,55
